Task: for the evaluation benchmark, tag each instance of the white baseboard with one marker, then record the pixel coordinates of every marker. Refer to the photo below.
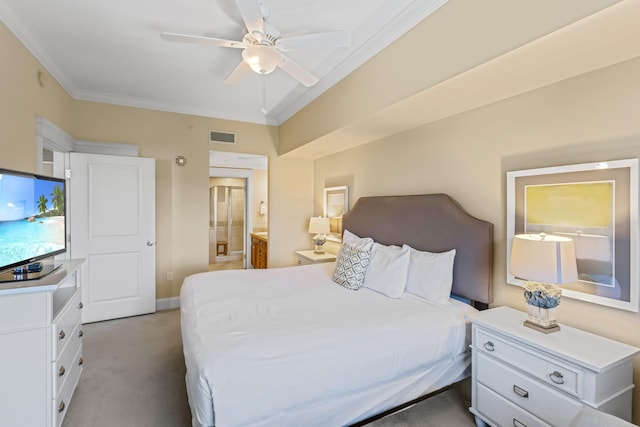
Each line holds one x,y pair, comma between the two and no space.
167,303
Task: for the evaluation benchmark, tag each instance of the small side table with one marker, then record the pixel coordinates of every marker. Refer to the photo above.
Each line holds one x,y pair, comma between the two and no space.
310,257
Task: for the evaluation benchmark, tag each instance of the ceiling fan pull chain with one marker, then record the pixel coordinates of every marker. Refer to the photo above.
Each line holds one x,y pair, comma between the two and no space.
264,95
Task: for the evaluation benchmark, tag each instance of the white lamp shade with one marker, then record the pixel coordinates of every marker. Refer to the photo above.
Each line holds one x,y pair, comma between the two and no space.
540,258
319,225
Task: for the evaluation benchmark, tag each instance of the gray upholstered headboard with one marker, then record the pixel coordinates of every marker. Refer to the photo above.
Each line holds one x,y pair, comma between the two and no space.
434,223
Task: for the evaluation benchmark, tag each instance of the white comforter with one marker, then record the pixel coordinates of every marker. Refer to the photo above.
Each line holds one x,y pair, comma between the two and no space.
289,347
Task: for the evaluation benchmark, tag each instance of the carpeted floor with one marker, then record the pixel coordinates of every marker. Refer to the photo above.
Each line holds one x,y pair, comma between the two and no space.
133,374
134,377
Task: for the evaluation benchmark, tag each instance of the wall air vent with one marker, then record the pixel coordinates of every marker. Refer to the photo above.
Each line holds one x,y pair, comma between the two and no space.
222,137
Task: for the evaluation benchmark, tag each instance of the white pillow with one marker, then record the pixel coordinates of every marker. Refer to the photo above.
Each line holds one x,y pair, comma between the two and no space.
430,274
387,273
351,266
359,242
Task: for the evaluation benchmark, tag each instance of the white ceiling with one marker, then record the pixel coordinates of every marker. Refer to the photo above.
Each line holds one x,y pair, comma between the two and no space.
111,51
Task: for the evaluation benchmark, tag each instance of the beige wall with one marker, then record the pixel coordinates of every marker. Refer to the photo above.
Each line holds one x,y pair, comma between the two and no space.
588,118
260,195
182,206
21,99
459,36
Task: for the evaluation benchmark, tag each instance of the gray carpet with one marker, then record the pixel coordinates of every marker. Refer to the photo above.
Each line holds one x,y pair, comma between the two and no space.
134,377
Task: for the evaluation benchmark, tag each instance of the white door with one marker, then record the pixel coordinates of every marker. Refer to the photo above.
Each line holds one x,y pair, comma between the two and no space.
112,222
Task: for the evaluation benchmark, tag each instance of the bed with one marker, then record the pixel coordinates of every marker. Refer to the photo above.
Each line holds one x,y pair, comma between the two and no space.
291,347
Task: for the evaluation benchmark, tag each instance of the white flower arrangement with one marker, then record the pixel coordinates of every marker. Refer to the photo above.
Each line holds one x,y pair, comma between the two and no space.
319,239
542,295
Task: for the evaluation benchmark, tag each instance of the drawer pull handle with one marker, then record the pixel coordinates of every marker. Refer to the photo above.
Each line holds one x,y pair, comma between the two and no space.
517,423
61,371
61,406
80,334
61,335
489,346
80,305
556,377
520,391
80,361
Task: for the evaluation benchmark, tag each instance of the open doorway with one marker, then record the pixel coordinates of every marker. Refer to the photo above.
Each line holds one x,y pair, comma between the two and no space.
237,206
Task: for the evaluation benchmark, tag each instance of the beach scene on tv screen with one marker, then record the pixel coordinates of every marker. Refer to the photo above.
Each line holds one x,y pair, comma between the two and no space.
31,218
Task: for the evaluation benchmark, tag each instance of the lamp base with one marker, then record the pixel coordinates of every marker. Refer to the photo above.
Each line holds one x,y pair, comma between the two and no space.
540,328
541,319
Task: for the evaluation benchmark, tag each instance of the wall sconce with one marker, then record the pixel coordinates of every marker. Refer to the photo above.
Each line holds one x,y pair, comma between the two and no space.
181,160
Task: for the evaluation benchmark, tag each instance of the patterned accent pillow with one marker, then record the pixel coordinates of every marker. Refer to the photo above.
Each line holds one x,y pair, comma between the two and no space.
351,266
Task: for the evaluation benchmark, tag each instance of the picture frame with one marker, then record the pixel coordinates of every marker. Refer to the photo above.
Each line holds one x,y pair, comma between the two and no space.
595,204
336,204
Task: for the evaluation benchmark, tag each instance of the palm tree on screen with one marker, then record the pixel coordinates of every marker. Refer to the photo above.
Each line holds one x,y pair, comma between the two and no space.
57,199
42,204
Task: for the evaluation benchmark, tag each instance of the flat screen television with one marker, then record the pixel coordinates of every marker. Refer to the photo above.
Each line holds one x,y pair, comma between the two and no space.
32,224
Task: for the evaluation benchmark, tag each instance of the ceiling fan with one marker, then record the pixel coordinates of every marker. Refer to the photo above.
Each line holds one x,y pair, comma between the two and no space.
263,45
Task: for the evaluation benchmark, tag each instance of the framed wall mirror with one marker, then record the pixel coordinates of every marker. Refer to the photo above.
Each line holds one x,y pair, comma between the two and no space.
336,204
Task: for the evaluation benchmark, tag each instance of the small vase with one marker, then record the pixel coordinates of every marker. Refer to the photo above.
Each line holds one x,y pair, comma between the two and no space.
543,317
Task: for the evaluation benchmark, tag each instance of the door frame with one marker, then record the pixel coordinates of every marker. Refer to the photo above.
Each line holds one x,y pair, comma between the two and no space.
247,174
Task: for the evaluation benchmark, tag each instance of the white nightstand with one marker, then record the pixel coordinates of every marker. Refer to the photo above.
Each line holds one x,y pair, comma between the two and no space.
310,257
521,377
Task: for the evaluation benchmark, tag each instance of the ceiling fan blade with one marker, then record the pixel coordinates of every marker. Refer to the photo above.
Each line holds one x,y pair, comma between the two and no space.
238,73
230,9
297,72
251,15
329,39
212,41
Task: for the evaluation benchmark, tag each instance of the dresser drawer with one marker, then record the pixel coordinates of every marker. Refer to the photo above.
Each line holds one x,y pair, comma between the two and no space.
66,361
557,373
61,401
499,410
531,395
65,323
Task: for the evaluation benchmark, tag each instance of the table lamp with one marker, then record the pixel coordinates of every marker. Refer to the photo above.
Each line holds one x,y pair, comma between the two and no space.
320,227
544,261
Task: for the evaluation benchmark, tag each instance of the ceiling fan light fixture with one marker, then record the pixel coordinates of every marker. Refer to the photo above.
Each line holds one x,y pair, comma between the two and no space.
261,58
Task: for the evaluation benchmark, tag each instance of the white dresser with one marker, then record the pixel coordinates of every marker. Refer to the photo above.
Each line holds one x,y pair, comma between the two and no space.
522,377
40,347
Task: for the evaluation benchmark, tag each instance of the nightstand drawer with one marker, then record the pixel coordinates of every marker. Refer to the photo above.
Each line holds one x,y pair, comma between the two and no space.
536,398
554,372
504,413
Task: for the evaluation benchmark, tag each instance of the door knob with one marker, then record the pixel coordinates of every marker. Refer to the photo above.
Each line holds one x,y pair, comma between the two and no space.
150,243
